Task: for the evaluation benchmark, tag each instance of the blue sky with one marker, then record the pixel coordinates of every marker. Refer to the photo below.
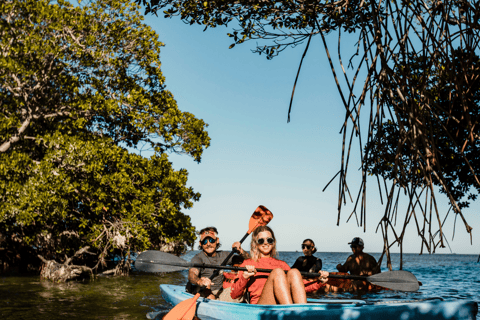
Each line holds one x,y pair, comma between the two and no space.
256,158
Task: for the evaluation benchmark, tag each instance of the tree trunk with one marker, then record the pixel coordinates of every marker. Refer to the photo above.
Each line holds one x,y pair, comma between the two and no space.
59,272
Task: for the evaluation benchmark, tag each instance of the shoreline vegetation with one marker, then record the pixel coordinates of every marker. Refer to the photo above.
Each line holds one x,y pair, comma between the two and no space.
86,130
66,270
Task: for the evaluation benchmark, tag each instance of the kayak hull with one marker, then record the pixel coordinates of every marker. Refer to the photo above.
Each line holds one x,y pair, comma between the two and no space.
318,309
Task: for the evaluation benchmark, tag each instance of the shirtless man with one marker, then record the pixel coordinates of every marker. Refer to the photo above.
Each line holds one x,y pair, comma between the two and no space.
209,244
359,263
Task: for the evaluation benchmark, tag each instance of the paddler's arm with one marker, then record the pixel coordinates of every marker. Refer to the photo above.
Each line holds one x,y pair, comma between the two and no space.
238,247
346,266
376,269
193,277
318,265
240,284
314,286
341,268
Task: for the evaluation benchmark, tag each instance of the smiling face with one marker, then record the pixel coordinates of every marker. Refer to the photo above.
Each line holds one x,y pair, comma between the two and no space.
307,248
208,247
265,248
209,242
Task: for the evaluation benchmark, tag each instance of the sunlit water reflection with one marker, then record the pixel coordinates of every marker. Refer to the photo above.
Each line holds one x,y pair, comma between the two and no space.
450,277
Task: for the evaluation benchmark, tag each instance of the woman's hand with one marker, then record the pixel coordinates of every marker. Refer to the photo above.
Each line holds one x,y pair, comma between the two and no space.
323,276
250,272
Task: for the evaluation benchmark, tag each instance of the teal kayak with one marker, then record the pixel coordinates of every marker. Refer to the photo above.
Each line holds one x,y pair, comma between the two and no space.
331,309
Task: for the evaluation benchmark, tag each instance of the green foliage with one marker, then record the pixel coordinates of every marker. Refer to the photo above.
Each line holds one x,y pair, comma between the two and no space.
286,23
81,87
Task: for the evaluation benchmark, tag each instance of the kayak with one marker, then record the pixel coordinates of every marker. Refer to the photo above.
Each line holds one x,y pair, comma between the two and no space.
331,309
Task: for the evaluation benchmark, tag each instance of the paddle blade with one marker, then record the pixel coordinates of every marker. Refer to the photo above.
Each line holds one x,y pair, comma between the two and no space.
185,310
260,217
395,280
150,261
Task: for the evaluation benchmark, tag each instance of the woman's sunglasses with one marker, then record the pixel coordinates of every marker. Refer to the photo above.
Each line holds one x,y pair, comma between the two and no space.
306,246
206,240
268,240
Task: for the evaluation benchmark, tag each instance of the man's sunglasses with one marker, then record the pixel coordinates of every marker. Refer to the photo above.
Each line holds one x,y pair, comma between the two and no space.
206,240
306,246
268,240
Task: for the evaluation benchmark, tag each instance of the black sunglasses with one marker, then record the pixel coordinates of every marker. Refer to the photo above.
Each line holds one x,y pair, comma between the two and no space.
306,246
206,240
262,241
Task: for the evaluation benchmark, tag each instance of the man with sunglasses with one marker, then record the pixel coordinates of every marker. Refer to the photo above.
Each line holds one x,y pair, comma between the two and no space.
359,263
209,244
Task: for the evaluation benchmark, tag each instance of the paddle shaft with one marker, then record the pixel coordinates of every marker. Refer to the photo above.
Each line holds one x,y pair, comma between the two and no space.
214,266
151,261
228,257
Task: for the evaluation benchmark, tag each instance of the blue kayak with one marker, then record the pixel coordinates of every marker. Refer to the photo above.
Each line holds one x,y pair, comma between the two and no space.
330,309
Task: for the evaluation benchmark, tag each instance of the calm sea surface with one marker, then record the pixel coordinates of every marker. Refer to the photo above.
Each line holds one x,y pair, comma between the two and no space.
450,277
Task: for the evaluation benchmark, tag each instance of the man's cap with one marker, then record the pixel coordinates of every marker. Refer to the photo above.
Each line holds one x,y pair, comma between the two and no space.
356,242
206,234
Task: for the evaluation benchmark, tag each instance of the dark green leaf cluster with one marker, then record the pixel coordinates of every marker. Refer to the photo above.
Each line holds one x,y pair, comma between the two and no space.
81,88
286,23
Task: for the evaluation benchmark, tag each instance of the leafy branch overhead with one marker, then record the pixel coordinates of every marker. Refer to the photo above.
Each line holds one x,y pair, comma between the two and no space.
81,89
412,67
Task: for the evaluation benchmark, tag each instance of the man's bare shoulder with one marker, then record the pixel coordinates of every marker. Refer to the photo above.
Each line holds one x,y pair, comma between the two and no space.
369,257
350,259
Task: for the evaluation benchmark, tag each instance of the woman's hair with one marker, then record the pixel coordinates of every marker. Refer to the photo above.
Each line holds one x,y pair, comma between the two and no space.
254,253
314,247
209,229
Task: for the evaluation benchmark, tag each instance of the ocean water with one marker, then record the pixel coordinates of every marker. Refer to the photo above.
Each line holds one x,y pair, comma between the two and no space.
451,277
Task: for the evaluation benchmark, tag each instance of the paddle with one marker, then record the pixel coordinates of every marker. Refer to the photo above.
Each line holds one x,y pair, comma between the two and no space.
260,217
156,261
185,310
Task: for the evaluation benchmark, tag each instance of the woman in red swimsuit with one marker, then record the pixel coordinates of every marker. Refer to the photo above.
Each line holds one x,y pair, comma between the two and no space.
276,287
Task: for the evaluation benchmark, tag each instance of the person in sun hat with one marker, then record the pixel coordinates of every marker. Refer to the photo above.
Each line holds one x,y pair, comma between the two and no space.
209,244
359,263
